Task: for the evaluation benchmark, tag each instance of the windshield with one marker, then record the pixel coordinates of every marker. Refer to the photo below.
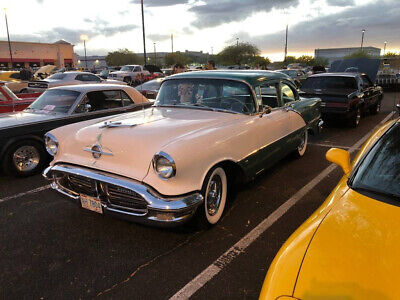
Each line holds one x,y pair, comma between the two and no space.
55,101
152,85
213,94
58,76
330,82
378,174
127,68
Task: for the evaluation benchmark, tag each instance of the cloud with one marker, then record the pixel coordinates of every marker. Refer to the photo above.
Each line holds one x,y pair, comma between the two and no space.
211,13
341,3
158,37
158,3
380,19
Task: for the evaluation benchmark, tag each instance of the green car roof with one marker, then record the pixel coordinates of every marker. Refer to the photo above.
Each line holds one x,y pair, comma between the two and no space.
253,77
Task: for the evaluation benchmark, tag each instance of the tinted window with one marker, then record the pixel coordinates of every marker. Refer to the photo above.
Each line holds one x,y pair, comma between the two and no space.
15,76
330,82
55,101
208,93
87,77
58,76
153,85
137,69
100,100
126,100
379,171
127,68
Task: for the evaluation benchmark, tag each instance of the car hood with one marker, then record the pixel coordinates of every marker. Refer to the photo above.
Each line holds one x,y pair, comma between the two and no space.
8,120
354,252
137,137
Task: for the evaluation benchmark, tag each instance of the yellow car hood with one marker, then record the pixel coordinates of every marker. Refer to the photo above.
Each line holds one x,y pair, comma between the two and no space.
355,253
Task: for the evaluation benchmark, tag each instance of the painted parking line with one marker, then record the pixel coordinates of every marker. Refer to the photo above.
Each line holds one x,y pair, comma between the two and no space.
225,259
39,189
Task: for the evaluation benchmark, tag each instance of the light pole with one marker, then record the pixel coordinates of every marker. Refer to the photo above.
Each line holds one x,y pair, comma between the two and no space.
362,39
172,43
84,38
8,37
144,35
237,42
155,54
384,48
286,41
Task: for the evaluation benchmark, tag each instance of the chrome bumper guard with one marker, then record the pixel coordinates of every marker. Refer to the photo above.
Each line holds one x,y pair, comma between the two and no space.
142,204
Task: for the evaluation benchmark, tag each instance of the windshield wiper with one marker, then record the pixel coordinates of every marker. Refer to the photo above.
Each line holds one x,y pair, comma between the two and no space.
377,192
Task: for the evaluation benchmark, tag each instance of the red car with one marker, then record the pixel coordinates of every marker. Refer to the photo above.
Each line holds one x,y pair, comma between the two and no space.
9,102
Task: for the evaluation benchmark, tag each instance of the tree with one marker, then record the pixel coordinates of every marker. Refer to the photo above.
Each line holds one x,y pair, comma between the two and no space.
259,61
176,58
243,53
391,55
306,60
122,57
290,60
358,54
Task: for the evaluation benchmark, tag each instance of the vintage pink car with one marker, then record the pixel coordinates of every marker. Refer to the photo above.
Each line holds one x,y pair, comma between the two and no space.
10,102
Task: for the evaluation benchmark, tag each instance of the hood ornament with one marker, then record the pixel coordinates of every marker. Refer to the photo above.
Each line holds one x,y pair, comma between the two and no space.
116,124
97,151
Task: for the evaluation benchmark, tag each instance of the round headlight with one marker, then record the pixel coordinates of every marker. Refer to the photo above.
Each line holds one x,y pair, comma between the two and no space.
164,165
51,144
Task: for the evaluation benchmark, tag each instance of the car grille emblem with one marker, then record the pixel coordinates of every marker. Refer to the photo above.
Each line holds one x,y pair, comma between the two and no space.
97,151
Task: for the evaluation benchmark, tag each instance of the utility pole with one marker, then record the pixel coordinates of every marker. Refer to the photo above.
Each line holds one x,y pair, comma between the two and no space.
8,37
384,48
84,38
144,36
237,42
172,43
286,41
362,39
155,54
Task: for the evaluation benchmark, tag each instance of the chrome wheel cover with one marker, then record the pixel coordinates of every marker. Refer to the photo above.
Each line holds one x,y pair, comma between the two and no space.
213,197
26,158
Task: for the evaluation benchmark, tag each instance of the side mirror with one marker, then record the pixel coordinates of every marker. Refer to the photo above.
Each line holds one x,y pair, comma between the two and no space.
339,157
88,107
265,110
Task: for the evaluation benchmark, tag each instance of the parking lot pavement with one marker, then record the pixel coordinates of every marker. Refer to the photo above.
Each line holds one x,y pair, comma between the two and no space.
52,249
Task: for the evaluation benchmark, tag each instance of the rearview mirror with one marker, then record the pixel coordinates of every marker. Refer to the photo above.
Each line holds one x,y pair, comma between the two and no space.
339,157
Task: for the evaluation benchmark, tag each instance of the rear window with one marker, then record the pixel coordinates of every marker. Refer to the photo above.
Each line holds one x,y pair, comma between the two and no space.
330,82
58,76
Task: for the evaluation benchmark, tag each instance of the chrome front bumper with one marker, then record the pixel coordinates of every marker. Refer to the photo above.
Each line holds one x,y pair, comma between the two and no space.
154,209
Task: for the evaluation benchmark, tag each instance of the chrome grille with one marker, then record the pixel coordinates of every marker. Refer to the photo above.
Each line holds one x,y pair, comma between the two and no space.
82,185
122,197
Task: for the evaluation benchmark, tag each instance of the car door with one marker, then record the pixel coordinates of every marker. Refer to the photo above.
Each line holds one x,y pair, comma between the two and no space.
370,97
272,127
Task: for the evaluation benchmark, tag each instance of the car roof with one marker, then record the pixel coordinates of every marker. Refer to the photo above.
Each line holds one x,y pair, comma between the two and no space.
340,74
75,73
82,88
253,77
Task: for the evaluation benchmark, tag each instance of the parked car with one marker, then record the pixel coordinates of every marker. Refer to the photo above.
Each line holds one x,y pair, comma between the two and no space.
10,102
348,249
14,82
68,78
298,76
345,96
129,73
178,158
150,88
22,150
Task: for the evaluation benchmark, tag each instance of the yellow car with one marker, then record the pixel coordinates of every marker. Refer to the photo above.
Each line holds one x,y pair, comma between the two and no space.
14,82
350,247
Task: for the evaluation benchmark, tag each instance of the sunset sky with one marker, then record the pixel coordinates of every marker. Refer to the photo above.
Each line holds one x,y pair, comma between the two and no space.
203,25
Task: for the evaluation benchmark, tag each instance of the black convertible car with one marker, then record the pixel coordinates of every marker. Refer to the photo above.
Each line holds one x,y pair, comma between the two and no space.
22,150
345,96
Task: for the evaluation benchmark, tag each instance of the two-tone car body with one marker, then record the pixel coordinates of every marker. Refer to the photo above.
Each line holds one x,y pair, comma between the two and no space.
349,248
345,96
14,81
22,150
68,78
176,159
10,102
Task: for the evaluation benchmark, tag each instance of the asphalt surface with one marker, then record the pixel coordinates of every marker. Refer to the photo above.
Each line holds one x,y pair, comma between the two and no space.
50,248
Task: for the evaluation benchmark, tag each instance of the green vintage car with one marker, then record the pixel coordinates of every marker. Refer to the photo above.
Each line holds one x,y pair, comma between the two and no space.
177,159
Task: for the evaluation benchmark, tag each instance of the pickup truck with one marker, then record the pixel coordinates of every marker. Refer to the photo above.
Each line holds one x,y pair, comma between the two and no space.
129,73
345,96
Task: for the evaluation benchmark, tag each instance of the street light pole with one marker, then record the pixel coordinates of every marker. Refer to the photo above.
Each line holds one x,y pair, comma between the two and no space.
384,48
8,37
237,42
362,39
144,35
155,54
84,37
172,43
286,41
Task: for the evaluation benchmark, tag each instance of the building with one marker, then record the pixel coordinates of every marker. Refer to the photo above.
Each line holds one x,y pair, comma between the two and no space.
333,54
93,62
60,53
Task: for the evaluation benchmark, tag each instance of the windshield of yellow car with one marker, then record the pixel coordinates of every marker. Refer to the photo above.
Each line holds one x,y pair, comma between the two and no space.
378,175
213,94
54,101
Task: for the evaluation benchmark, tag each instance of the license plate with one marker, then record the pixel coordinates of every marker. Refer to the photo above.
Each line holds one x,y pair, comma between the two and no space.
91,203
